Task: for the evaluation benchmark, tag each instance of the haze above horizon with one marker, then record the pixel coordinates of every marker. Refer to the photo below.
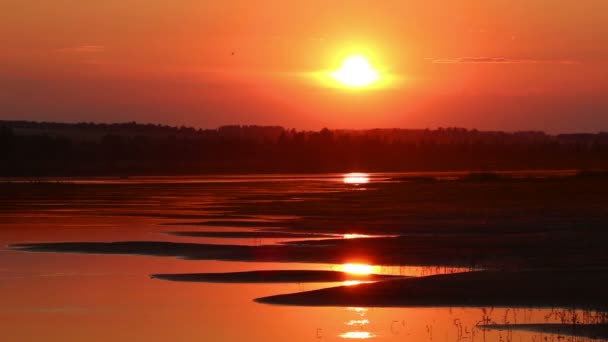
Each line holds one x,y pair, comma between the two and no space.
493,65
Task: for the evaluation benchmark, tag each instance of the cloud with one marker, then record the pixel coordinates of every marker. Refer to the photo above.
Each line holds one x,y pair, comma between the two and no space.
498,60
84,49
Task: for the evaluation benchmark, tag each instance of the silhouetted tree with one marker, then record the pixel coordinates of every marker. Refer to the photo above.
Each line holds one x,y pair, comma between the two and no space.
29,148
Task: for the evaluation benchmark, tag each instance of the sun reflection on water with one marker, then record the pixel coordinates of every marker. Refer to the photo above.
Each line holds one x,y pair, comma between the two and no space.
360,311
356,178
357,268
356,236
360,335
351,282
357,323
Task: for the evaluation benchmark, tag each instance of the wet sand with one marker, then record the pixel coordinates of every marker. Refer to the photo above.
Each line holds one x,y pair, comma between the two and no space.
552,289
517,251
233,223
273,276
251,234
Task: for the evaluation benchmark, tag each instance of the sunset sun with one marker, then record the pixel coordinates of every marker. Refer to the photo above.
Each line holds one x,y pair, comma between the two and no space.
355,72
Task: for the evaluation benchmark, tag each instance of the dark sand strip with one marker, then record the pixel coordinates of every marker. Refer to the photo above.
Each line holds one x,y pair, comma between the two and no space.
272,276
198,251
585,289
594,331
252,234
230,223
483,252
155,248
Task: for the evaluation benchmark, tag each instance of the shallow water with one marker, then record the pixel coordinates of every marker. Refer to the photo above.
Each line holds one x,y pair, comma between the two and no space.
88,297
101,298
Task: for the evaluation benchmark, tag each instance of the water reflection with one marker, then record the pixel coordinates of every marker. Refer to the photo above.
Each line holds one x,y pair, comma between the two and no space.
356,178
410,271
120,294
357,268
357,323
361,335
360,311
356,236
351,282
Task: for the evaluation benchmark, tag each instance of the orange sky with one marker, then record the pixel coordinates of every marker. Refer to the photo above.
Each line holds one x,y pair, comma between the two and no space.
494,64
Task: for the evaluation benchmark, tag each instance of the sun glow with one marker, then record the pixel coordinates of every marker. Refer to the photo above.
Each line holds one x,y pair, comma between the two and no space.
357,268
351,282
355,236
356,178
355,72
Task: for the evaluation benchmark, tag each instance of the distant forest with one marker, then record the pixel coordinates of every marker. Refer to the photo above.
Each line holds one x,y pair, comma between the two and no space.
36,149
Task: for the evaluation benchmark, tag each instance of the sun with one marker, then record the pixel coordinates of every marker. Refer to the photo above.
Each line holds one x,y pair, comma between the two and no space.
356,72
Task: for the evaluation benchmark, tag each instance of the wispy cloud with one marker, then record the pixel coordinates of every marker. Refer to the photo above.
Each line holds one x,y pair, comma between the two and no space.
499,60
84,49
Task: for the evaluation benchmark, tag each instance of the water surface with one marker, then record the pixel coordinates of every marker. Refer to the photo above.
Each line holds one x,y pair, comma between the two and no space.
91,297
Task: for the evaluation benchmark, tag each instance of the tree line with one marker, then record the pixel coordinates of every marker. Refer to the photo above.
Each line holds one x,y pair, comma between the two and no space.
88,149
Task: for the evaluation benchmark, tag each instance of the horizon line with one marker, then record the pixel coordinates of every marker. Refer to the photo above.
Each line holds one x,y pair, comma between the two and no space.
297,129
